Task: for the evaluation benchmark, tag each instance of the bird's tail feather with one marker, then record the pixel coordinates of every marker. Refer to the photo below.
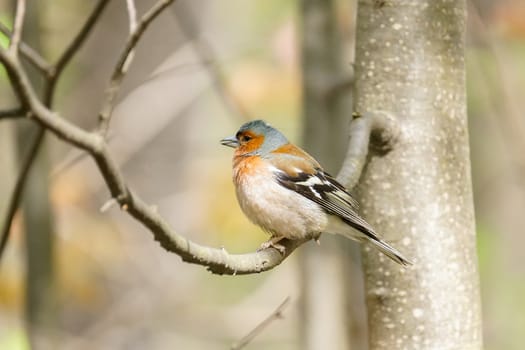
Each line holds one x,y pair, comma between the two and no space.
390,251
369,235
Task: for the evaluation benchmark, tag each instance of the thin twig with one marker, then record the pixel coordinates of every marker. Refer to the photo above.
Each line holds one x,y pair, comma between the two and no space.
124,62
132,14
18,25
11,113
28,53
106,206
16,196
275,315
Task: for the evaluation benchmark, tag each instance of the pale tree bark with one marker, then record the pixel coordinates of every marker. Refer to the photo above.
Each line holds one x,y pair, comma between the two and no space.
410,63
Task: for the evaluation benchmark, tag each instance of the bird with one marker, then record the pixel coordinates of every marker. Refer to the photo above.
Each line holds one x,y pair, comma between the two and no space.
285,191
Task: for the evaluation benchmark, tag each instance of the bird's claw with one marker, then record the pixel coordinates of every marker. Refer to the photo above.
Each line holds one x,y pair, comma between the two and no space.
273,243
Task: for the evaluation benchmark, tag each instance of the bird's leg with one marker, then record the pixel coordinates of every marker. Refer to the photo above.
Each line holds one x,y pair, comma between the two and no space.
274,243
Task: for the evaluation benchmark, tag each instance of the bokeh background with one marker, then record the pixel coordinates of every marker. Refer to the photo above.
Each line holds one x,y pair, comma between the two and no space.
201,70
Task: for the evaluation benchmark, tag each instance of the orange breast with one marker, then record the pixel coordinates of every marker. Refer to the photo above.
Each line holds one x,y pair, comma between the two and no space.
246,166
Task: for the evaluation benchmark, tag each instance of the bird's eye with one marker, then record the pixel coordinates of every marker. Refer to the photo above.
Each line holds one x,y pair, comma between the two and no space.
245,138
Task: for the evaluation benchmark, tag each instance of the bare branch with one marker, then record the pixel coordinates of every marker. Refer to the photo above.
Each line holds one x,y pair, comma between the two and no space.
275,315
377,129
11,113
28,53
132,14
16,196
17,27
108,205
16,75
124,62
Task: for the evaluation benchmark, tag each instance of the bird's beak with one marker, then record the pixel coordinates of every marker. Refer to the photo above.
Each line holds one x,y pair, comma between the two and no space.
230,142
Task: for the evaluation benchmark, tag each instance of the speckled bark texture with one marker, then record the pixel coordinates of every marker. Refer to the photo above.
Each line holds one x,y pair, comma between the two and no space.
410,63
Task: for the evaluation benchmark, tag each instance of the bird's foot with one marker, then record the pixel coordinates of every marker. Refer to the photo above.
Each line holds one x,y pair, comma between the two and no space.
273,243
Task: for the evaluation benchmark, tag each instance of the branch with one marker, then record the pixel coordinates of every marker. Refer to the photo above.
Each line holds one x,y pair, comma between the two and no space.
376,129
17,27
16,196
124,61
11,113
132,14
29,53
276,314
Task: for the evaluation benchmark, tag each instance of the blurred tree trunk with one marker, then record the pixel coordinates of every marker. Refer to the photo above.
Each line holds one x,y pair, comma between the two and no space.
8,161
330,279
40,299
410,62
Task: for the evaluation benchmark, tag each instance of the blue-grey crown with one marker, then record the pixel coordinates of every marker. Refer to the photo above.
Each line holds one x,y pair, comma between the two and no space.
273,138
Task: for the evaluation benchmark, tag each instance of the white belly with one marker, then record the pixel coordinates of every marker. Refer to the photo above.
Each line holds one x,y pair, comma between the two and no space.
280,211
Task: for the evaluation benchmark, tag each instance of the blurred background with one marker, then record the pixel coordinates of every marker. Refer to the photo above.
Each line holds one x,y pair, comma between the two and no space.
201,70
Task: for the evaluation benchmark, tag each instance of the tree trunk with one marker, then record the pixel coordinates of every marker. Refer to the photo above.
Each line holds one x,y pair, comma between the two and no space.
410,63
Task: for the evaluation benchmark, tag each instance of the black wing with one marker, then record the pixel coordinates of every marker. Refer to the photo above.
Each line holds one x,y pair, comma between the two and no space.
324,190
333,197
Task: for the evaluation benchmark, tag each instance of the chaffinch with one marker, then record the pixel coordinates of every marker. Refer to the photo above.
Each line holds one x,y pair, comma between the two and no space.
287,193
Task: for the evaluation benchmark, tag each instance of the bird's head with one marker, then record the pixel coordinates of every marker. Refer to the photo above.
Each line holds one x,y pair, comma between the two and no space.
255,138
